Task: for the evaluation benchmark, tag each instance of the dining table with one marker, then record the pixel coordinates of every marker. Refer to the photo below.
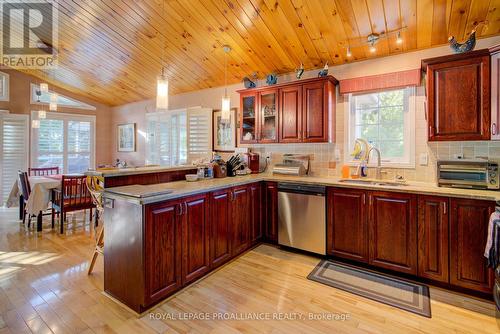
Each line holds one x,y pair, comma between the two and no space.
39,198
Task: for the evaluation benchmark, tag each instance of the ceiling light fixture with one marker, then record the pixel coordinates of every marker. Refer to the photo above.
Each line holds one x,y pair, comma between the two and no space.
44,87
162,91
53,102
162,82
399,40
373,49
226,100
349,53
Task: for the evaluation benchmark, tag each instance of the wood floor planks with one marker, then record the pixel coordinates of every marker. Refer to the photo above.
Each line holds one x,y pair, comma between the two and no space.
44,288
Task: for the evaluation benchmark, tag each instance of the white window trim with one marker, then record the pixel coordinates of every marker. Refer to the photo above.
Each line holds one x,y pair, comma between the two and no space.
409,132
65,117
4,95
82,105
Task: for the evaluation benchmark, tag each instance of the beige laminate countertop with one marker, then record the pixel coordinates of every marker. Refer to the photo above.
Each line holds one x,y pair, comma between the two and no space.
110,172
146,194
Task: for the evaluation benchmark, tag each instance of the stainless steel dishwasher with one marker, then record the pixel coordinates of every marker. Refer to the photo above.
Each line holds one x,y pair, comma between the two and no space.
302,217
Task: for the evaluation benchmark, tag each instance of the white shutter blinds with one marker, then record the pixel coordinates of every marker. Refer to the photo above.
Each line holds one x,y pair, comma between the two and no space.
13,150
199,133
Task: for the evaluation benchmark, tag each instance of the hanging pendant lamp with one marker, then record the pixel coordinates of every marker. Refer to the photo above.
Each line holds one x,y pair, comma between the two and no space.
226,100
162,91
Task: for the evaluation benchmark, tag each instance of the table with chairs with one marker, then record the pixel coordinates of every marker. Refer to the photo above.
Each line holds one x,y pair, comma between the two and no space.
43,191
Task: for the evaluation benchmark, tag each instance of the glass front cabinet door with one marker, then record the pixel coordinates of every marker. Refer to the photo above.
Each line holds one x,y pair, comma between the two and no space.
268,113
249,118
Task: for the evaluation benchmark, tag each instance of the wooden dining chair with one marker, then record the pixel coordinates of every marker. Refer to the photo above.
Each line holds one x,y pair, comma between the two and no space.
24,183
73,196
43,171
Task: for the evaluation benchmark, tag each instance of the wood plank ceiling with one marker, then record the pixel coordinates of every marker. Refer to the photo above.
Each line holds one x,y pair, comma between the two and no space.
112,50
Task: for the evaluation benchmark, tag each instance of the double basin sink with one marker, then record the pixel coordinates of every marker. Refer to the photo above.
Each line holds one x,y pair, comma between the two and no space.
373,182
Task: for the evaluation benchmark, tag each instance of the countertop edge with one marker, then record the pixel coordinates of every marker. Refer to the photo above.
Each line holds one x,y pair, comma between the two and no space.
414,188
136,171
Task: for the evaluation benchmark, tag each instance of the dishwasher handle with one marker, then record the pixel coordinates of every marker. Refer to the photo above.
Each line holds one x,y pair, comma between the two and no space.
302,189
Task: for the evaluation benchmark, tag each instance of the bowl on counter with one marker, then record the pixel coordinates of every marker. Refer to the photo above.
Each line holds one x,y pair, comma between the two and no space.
191,177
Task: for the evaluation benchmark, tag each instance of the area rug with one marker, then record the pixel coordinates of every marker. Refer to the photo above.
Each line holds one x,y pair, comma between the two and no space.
403,294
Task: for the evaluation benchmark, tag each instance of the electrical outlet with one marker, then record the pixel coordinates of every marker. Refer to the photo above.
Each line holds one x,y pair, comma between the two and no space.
337,155
423,159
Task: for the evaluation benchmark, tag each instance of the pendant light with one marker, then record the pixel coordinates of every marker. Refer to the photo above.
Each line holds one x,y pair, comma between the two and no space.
53,102
162,91
226,100
42,114
162,82
35,124
44,87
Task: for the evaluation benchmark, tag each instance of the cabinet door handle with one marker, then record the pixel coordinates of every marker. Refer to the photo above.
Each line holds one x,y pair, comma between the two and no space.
370,199
364,199
185,208
445,209
431,131
179,209
494,129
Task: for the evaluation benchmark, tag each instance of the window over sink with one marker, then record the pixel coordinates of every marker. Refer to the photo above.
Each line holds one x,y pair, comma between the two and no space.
386,119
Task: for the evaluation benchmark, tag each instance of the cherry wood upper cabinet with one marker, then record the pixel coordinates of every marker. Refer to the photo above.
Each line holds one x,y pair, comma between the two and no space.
468,235
268,116
195,237
433,227
249,120
319,100
495,92
300,111
163,249
347,225
458,96
290,114
393,231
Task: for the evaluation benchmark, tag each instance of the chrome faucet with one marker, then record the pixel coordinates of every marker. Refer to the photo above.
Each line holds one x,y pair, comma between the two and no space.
379,167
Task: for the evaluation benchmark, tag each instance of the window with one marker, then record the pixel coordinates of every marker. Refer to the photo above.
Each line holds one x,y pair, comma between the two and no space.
178,137
62,101
13,150
64,140
386,119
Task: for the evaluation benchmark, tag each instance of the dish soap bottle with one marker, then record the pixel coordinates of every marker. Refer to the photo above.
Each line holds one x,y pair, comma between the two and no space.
364,169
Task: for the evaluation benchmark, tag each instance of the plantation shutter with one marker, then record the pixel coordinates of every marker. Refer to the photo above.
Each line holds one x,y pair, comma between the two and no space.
13,151
199,133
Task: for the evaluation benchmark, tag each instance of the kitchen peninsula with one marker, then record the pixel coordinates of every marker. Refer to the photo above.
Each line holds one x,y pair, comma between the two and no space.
162,237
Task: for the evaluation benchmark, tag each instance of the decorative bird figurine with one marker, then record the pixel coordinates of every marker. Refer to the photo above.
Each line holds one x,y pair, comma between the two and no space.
248,83
299,71
324,71
272,79
466,46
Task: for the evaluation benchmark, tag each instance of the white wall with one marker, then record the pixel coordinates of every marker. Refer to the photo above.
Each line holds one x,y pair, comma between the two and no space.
323,154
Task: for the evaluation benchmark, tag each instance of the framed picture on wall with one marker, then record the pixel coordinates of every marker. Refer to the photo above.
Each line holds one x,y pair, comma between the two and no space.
126,137
224,132
4,86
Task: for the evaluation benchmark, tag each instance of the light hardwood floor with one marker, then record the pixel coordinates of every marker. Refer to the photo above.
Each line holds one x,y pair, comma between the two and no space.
44,288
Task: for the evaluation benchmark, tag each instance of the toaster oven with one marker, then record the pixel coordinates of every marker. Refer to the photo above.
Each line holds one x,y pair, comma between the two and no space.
473,174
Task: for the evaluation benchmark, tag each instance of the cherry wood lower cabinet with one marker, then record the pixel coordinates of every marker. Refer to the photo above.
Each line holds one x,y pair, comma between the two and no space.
241,216
347,226
195,220
256,223
271,211
468,234
433,229
393,231
375,227
221,220
162,251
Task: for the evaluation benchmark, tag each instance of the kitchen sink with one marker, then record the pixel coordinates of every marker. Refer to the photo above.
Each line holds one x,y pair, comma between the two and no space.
373,182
